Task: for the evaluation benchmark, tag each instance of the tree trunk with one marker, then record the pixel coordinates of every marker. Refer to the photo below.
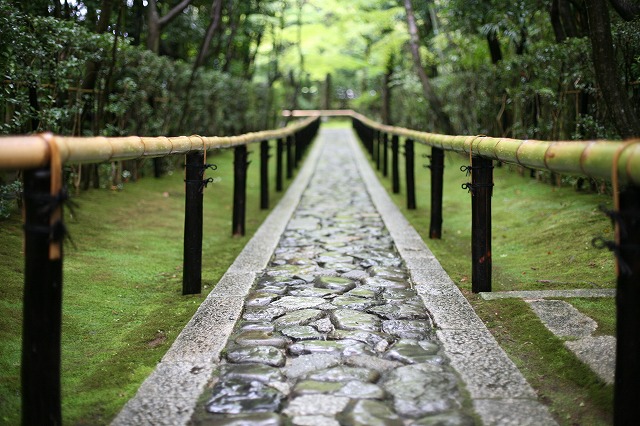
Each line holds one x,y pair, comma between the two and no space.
626,121
431,96
386,91
627,9
328,92
155,22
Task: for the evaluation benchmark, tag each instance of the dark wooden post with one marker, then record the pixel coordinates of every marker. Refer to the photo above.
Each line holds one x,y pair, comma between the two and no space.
437,183
279,166
375,135
42,301
239,189
290,156
264,175
297,148
409,170
379,150
626,395
192,255
395,164
481,192
385,155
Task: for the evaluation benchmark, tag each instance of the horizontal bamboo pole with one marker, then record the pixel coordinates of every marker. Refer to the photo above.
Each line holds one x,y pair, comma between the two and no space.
28,152
589,158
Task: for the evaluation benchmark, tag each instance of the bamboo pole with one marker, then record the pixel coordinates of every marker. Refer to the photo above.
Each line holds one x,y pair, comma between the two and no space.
27,152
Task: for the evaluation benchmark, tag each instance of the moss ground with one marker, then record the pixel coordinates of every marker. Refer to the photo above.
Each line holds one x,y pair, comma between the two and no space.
123,305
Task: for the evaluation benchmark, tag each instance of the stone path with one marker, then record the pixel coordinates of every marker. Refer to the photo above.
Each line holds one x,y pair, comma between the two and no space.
333,331
346,318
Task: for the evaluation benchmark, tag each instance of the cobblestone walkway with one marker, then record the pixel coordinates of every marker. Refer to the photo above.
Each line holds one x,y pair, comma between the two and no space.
333,332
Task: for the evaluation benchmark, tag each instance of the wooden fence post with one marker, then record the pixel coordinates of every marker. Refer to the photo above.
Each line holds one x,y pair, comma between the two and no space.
240,165
395,164
481,192
264,175
42,301
379,150
192,254
409,170
626,396
437,183
385,155
290,156
279,166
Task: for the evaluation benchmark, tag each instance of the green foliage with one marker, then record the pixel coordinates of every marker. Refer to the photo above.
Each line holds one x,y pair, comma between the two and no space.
9,195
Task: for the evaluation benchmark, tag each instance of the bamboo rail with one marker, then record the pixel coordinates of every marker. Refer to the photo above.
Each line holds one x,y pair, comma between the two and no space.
28,152
592,158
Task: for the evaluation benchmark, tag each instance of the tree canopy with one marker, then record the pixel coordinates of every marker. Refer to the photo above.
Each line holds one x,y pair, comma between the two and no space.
545,69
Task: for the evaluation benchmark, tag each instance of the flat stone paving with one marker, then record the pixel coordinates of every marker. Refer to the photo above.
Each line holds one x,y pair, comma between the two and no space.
333,331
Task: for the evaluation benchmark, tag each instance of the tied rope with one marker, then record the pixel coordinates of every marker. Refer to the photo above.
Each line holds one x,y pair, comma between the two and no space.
616,216
470,186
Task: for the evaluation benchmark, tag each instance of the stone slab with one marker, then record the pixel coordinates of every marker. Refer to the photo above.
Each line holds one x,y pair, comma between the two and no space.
599,353
542,294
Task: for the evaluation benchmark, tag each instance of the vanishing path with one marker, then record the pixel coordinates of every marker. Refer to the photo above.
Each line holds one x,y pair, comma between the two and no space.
340,315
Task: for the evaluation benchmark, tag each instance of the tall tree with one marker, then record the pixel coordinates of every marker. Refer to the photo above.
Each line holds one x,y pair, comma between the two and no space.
625,119
442,118
155,22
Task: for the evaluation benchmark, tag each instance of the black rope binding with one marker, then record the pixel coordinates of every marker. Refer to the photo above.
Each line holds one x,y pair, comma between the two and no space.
204,183
57,231
617,249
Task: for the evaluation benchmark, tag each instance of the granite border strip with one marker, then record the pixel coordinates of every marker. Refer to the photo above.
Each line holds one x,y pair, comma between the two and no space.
500,394
169,395
543,294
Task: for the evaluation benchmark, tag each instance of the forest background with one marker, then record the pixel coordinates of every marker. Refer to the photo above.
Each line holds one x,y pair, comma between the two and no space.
523,69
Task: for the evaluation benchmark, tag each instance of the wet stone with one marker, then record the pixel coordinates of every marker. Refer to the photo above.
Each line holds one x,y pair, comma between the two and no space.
301,317
366,412
306,291
237,396
349,319
371,338
344,374
399,294
353,302
260,338
321,346
257,419
260,354
282,281
410,352
268,313
323,325
355,274
260,299
340,267
305,364
294,303
454,418
382,283
314,421
361,390
388,273
301,332
372,362
400,311
335,283
306,405
271,289
313,387
363,292
257,326
408,329
250,372
421,389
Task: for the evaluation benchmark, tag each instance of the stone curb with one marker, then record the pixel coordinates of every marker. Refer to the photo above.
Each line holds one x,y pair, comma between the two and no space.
169,395
500,394
541,294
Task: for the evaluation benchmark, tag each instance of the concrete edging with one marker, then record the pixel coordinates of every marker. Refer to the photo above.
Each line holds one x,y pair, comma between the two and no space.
500,394
169,395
